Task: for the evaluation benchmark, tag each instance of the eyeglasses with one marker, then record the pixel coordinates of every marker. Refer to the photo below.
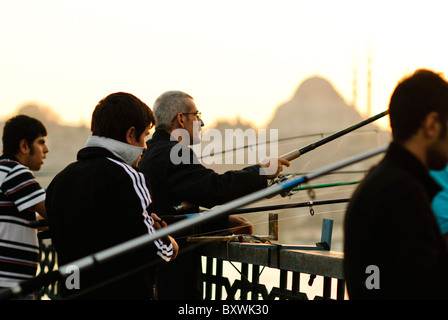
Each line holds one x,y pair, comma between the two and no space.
197,113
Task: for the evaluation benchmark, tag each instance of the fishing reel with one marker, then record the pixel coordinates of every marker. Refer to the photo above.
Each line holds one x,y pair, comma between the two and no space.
281,178
289,192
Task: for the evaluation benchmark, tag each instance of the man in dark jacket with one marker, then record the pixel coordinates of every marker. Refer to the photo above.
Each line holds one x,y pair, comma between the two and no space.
393,246
102,200
177,177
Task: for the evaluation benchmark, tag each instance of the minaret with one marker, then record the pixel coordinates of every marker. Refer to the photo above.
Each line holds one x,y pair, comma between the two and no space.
355,92
369,87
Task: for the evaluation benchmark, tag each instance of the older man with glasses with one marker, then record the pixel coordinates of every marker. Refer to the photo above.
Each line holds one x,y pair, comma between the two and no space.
178,126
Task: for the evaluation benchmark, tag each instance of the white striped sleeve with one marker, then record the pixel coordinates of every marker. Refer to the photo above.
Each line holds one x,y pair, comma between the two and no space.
20,186
34,198
139,183
163,250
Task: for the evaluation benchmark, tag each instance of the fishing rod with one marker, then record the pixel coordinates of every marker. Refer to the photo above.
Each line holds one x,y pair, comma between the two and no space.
294,154
103,256
174,218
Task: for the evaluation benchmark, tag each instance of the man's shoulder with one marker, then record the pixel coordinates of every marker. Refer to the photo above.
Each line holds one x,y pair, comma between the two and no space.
10,164
389,173
118,165
160,150
10,168
99,165
109,173
386,184
161,144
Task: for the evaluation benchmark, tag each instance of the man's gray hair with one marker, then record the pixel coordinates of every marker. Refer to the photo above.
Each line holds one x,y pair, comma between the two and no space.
167,106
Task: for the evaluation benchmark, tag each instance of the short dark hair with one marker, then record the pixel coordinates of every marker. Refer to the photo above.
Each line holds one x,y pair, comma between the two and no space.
18,128
413,99
117,112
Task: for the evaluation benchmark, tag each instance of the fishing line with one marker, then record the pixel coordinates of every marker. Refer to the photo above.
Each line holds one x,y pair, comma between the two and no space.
281,140
257,224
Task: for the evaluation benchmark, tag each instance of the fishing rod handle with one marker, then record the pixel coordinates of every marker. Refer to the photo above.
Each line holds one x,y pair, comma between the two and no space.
294,154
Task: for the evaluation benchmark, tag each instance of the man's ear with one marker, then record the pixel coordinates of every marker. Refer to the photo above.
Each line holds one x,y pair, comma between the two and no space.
432,125
130,135
179,121
24,148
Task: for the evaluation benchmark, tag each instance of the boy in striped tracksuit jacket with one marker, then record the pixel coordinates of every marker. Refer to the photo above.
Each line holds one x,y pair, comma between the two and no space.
102,200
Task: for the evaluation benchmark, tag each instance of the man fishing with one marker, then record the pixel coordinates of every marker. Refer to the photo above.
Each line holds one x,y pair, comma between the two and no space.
189,181
393,246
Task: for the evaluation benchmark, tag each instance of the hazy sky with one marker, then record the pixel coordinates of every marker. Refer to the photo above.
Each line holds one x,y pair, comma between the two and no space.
236,58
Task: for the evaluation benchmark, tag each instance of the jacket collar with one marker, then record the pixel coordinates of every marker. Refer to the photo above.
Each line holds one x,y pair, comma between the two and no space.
8,157
162,135
411,164
123,151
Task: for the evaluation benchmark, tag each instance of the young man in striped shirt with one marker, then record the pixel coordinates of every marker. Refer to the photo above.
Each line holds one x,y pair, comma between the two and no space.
102,200
21,197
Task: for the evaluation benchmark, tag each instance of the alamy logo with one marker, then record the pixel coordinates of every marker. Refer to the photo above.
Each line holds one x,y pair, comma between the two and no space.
209,148
373,280
73,278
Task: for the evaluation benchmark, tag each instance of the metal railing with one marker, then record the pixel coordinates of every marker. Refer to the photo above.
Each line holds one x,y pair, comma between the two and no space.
298,261
253,254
